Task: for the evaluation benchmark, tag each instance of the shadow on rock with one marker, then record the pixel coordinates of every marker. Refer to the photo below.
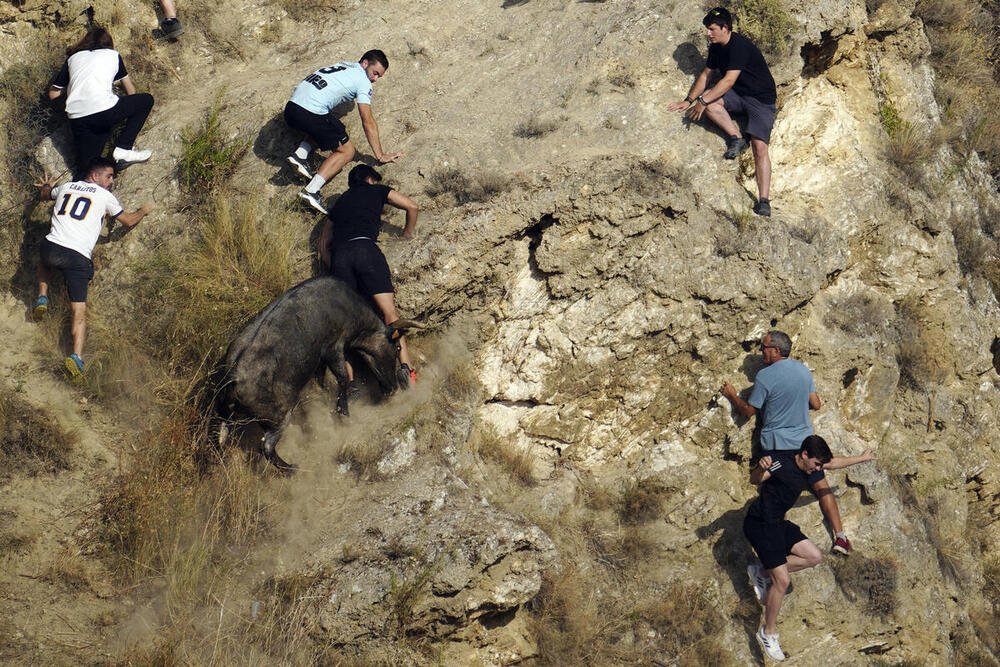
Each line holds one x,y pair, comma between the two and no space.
689,60
733,553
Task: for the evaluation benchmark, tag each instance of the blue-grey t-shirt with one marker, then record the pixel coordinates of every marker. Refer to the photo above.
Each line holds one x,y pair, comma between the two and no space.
331,86
781,393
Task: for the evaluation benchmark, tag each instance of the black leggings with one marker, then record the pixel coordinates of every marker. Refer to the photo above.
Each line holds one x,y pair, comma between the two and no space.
90,133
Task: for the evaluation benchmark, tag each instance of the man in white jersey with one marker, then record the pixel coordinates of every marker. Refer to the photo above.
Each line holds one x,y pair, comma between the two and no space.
76,225
309,111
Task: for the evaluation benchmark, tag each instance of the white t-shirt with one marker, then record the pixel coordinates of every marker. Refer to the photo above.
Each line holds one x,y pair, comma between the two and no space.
89,77
326,88
79,213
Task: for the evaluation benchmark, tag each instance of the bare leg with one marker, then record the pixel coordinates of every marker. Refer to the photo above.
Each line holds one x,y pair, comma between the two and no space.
169,11
716,111
828,503
338,158
79,326
387,305
762,161
804,555
44,278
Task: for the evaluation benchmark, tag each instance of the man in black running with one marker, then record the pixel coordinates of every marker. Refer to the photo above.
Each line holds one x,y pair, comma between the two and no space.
746,87
348,246
779,543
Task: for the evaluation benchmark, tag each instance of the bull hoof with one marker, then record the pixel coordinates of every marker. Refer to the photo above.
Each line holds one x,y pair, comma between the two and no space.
280,464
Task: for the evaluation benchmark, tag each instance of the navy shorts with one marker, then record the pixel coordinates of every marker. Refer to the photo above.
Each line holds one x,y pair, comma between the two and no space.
77,270
760,116
325,130
772,541
361,264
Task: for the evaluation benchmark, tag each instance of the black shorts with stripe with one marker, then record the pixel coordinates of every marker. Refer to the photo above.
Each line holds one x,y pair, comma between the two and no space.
361,264
772,541
77,269
325,130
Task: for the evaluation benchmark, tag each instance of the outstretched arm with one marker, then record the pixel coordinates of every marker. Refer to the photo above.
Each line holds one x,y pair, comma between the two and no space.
401,201
371,132
133,218
838,462
744,408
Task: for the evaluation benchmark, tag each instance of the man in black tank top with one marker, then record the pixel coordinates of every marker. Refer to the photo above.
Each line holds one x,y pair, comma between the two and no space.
348,246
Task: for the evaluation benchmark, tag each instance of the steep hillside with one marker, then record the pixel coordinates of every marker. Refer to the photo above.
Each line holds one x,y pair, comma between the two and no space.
565,485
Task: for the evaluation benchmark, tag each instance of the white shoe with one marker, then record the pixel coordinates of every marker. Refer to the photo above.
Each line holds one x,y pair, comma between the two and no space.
760,581
769,644
300,167
313,200
131,156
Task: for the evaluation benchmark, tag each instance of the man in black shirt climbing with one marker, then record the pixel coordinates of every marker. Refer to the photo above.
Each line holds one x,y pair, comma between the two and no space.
779,543
746,87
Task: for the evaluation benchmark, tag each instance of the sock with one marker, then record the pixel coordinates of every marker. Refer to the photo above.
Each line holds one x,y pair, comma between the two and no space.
841,534
315,184
303,151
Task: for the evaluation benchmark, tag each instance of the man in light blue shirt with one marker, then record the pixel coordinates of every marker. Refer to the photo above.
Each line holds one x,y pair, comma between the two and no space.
783,393
309,110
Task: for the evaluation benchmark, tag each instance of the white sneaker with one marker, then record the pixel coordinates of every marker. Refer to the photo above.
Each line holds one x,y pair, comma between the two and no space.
769,644
760,581
313,200
131,156
300,167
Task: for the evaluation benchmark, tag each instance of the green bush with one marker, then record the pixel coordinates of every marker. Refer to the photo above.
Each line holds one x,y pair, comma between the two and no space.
210,156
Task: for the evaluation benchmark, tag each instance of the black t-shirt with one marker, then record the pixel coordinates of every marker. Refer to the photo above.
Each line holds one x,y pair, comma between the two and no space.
780,491
358,212
755,78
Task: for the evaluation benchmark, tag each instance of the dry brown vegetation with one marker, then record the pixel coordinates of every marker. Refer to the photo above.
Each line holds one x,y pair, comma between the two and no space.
516,461
868,581
31,441
465,188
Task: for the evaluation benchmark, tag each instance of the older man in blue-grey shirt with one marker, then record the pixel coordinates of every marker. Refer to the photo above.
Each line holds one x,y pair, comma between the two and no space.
783,393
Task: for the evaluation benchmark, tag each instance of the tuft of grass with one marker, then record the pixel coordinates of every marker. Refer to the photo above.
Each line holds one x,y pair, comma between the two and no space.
515,461
464,188
404,592
211,155
535,127
642,501
687,617
309,10
858,314
31,441
921,359
870,582
16,540
767,23
909,148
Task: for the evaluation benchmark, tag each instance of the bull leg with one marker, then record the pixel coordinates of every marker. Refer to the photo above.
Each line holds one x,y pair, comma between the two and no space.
334,359
269,441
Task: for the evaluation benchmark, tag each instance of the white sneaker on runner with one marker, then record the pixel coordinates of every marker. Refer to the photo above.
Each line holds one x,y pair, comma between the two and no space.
313,200
300,167
130,156
760,581
769,644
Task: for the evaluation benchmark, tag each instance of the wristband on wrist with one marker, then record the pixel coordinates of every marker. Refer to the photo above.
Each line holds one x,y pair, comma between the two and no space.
688,100
702,100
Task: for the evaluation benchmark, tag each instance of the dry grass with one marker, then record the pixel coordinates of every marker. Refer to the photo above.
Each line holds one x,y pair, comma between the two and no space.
978,254
859,314
31,441
909,148
922,360
766,22
14,541
514,460
70,570
465,189
868,582
536,127
310,10
642,501
688,619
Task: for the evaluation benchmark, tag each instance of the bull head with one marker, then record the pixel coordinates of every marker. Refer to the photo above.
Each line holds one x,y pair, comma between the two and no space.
380,349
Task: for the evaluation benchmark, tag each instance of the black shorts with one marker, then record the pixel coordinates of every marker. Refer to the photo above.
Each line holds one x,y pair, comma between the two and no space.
361,264
760,116
772,541
325,130
77,270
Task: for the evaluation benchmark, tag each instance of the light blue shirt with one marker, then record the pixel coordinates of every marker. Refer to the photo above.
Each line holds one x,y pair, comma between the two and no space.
781,392
331,86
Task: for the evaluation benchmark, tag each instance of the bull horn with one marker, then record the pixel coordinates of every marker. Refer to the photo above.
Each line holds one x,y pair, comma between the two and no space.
400,325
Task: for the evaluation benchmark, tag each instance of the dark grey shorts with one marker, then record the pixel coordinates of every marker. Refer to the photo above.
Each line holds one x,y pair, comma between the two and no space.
77,270
760,116
326,131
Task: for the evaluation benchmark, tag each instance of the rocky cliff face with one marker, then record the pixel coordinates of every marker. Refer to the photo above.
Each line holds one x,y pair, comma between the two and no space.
600,259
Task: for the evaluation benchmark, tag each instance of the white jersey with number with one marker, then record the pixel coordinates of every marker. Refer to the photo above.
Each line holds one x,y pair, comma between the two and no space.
326,88
79,213
89,77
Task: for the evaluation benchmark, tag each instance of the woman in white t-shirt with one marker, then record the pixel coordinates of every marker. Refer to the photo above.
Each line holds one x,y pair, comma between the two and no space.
92,68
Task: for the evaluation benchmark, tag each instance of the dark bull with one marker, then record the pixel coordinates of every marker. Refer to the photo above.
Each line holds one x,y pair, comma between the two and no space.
306,330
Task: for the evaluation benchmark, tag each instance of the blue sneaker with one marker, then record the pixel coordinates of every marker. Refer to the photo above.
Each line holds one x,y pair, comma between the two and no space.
41,307
74,368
